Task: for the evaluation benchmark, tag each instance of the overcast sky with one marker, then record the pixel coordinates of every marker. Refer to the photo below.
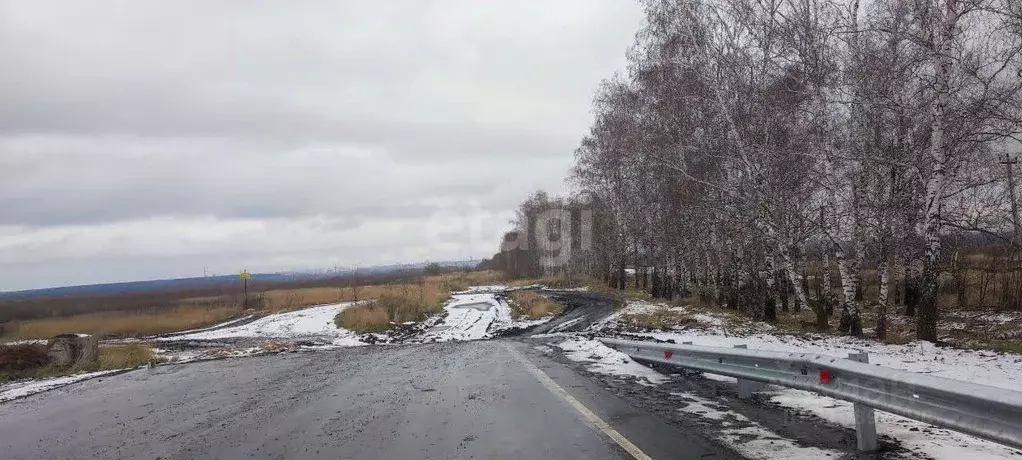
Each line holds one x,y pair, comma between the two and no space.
151,139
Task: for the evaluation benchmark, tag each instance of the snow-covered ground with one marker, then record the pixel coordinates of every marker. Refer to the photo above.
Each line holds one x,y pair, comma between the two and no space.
991,368
602,359
745,436
27,388
223,325
469,317
748,437
309,323
25,342
918,437
478,313
489,289
982,367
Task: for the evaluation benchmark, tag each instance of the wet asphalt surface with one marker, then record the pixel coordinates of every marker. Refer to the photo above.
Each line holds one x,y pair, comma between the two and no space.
581,310
454,400
451,400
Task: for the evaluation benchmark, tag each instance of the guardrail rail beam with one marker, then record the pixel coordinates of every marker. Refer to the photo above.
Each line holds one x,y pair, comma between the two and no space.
991,413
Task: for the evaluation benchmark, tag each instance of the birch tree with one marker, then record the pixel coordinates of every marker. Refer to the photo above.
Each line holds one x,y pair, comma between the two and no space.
747,132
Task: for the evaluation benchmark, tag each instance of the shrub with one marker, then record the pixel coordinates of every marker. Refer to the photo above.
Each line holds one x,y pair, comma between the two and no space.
403,305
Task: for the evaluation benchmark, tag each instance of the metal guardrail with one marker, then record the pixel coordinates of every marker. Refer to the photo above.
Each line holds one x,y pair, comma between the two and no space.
987,412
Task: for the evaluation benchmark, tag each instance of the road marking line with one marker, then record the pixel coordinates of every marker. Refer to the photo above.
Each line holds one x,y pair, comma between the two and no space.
588,414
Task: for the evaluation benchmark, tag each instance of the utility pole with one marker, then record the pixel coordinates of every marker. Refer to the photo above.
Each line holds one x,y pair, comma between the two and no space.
1010,163
245,276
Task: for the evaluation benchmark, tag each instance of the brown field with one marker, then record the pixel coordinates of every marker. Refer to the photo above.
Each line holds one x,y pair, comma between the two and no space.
158,313
533,305
121,324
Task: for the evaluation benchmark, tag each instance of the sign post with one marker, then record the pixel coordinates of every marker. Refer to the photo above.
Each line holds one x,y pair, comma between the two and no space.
245,276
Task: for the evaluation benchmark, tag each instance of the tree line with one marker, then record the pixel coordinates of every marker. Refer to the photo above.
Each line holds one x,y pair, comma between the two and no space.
751,142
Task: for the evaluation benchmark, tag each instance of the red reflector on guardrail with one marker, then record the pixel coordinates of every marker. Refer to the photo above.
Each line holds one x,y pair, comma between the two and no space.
668,354
825,376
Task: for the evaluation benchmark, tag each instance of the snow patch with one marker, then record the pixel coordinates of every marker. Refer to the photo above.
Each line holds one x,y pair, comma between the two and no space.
1003,370
750,438
575,289
469,317
22,389
567,324
26,342
606,360
522,323
708,320
720,378
215,326
315,322
480,312
543,348
919,437
491,289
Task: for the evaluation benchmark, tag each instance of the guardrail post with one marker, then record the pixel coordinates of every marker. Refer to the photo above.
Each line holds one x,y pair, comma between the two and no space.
746,387
865,422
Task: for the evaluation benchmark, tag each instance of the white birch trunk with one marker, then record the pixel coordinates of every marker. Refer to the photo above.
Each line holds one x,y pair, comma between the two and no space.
848,279
926,316
827,286
884,269
795,278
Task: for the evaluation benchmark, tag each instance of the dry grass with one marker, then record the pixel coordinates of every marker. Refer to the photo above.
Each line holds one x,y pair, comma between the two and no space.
121,324
124,356
661,319
291,299
532,305
110,357
620,297
460,281
370,318
394,304
17,358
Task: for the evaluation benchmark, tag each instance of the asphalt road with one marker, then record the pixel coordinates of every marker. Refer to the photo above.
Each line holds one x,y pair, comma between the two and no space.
581,310
467,400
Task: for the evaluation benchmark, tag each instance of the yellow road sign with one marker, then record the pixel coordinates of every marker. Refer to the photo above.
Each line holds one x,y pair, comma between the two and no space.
245,275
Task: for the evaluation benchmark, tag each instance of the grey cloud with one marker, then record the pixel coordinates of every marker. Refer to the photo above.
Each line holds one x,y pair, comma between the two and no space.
231,116
112,182
414,93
